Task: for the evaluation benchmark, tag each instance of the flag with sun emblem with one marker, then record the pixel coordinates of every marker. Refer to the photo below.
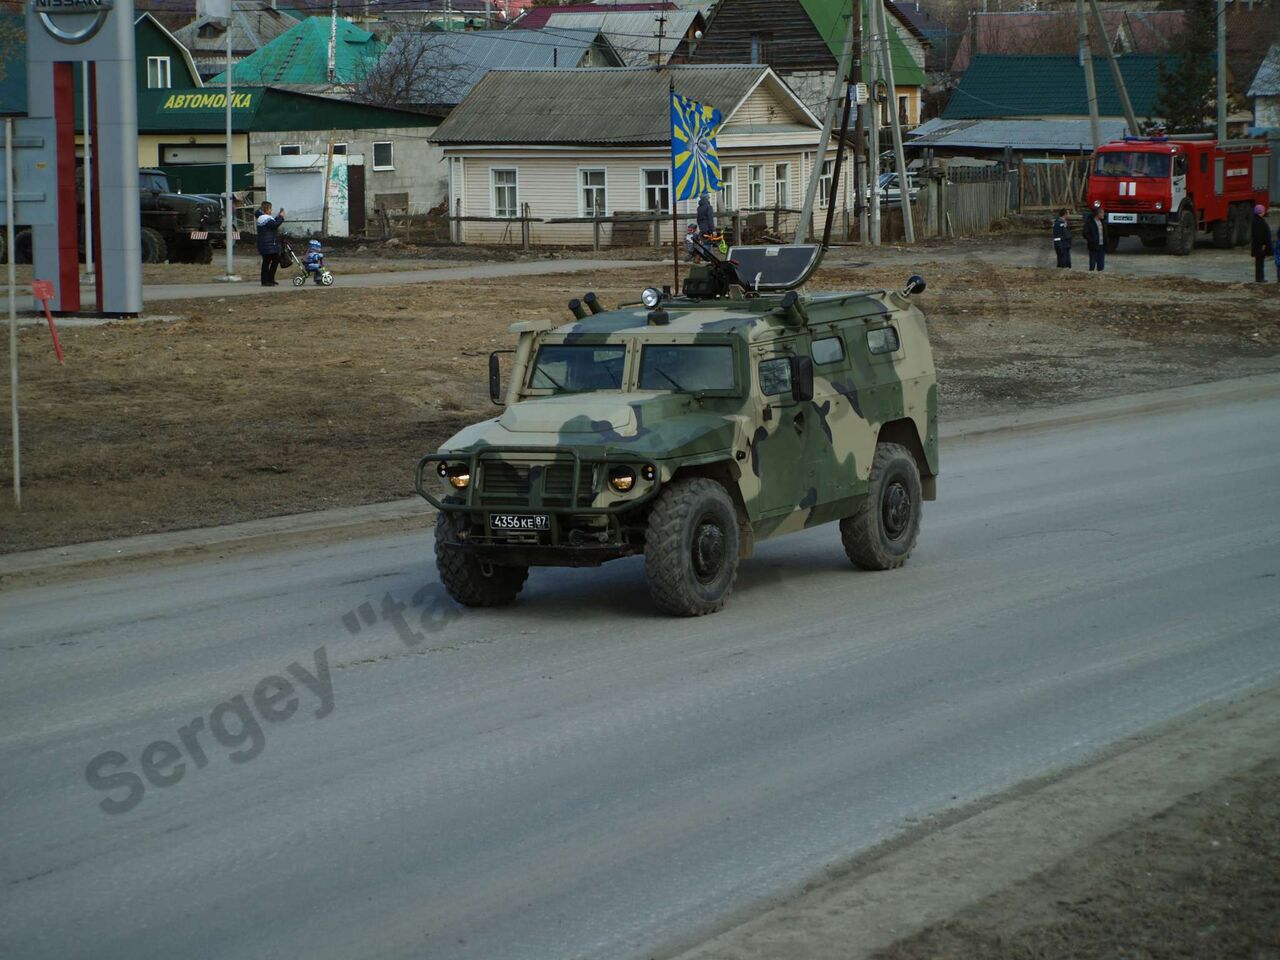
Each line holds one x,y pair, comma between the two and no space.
693,147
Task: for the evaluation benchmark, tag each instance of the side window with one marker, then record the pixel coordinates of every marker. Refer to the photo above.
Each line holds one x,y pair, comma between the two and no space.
1204,163
1180,166
775,376
828,350
884,340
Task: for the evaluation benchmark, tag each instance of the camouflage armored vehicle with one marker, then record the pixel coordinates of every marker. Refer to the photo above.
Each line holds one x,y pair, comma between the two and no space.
688,429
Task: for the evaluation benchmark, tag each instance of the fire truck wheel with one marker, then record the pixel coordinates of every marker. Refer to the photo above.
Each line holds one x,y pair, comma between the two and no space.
1184,238
1223,234
1240,224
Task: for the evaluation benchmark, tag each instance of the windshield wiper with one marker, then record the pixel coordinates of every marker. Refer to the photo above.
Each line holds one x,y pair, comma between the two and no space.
556,383
666,376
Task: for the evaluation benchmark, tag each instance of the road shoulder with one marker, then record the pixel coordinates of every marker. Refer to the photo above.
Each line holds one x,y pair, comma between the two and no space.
958,858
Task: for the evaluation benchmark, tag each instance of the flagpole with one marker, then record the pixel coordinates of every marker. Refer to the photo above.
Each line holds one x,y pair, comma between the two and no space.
675,215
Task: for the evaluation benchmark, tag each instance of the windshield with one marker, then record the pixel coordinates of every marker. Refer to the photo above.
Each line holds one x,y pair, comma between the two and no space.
154,181
578,367
1132,164
687,368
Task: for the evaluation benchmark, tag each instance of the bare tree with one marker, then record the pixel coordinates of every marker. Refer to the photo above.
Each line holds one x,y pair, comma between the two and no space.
416,71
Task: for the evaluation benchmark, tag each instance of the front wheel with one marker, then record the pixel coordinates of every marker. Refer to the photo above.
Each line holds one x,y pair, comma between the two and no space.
326,279
881,534
691,548
1183,239
473,582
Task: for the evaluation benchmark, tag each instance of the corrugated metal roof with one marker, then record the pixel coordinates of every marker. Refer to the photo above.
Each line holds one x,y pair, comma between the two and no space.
1049,86
1266,82
450,64
625,105
301,55
536,18
633,35
1034,136
253,25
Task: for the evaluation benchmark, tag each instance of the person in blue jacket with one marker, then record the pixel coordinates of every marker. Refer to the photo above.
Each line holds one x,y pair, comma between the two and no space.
269,242
314,260
1062,239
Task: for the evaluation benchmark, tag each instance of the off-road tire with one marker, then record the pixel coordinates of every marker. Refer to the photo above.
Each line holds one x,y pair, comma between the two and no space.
1183,240
154,249
201,251
881,535
1241,224
691,548
472,582
1223,233
23,246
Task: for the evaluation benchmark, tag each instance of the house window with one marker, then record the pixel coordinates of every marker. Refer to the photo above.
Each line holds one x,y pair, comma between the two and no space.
728,189
383,158
760,47
505,199
824,182
594,195
657,190
158,76
339,149
290,149
782,184
755,186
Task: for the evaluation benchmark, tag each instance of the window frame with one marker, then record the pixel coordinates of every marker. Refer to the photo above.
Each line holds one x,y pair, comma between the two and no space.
782,185
531,390
897,338
727,194
339,149
785,394
583,187
390,145
755,186
514,187
167,64
731,391
290,149
826,180
645,188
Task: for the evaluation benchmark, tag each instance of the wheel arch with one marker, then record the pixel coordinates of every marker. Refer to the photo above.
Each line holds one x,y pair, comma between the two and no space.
725,473
903,431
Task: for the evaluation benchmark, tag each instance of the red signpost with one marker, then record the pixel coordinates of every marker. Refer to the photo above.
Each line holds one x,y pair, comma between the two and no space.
42,290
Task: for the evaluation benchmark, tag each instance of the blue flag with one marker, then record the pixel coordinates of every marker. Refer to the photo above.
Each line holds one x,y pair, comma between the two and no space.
693,147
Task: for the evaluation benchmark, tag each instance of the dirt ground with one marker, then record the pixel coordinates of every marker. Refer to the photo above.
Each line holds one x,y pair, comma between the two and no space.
1198,881
239,409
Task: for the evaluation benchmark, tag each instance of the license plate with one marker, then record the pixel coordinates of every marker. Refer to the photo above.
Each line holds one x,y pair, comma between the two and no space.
519,521
1122,217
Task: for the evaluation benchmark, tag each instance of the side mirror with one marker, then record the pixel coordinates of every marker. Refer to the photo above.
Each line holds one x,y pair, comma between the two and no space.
495,379
915,284
802,378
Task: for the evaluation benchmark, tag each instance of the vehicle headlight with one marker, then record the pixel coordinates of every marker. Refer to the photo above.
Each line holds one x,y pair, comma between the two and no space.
651,297
622,479
1159,205
458,474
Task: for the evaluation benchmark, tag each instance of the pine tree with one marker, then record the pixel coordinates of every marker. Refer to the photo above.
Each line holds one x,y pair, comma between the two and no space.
1187,79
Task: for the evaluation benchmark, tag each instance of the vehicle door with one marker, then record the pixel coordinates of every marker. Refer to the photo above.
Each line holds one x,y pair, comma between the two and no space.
842,442
779,450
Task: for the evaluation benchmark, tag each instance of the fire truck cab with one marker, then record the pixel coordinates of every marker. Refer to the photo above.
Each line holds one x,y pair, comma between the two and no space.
1165,190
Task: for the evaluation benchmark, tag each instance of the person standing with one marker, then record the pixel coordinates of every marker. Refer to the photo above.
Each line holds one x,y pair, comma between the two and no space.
1260,243
1062,239
269,242
1095,238
706,215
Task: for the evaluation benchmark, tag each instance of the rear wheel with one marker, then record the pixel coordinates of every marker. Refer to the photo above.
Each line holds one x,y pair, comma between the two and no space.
691,548
1223,235
154,249
470,581
299,280
1240,220
881,535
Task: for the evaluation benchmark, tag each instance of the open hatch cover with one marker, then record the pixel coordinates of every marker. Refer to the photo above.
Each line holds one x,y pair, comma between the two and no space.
780,267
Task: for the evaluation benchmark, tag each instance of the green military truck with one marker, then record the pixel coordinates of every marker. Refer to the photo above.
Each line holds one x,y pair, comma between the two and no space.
687,429
175,226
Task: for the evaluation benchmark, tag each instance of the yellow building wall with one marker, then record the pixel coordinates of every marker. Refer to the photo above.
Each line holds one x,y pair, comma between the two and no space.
149,145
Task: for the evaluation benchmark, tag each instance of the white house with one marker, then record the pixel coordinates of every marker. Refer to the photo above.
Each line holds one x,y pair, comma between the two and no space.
555,144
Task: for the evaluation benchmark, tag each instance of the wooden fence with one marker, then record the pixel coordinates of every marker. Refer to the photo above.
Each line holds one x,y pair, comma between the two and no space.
1053,183
946,208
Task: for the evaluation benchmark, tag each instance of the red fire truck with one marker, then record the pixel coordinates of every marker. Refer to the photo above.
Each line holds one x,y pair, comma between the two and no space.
1166,189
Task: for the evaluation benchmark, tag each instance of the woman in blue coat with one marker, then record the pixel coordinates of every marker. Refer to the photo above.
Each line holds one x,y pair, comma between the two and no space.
269,242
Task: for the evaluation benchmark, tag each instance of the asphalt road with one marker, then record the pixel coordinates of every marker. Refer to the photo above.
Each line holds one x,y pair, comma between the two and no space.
579,777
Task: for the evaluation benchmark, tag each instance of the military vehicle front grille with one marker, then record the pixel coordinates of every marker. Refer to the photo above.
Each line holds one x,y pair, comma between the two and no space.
502,482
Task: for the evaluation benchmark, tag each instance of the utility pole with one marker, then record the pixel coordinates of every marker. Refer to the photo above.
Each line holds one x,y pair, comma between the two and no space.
859,130
1086,61
1222,71
895,125
873,160
1130,118
840,82
13,310
333,41
87,171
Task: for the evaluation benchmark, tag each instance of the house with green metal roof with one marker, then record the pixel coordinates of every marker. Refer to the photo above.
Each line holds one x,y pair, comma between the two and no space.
1050,88
300,57
802,41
